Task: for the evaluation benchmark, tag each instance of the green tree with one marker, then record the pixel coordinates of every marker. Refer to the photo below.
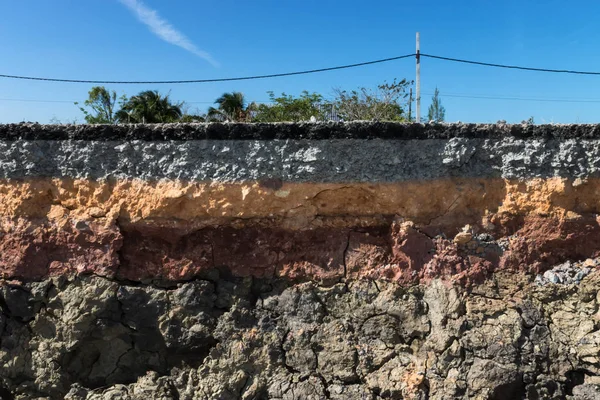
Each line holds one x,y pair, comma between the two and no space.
437,112
231,107
290,108
149,107
386,103
101,106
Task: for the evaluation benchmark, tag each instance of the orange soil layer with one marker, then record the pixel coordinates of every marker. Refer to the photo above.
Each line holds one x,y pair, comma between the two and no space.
423,201
174,230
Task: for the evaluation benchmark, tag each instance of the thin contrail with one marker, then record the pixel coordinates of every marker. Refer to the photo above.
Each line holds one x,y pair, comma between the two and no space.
164,30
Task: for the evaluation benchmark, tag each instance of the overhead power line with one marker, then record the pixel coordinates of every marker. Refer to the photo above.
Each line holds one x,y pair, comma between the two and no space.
516,98
244,78
305,72
561,71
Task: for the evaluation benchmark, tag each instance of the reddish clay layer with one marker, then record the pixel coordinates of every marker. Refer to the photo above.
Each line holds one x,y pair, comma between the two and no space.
397,251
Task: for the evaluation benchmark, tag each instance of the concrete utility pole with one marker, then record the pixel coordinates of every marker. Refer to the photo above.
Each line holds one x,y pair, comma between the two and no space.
418,77
410,106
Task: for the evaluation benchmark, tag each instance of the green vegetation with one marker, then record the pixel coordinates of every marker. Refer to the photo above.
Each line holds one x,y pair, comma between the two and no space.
231,107
290,108
102,105
387,102
437,112
149,107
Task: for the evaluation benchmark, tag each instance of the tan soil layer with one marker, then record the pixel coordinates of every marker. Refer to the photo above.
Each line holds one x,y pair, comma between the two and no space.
404,232
422,201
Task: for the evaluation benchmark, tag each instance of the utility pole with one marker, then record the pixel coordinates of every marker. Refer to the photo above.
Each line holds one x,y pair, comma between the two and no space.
418,77
410,106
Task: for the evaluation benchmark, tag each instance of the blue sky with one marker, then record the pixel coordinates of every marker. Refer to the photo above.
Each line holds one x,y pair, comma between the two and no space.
108,40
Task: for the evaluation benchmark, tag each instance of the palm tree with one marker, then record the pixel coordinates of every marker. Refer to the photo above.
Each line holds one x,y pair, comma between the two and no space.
231,107
149,107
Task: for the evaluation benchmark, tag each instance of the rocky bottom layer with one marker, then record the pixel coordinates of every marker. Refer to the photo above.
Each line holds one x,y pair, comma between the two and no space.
510,337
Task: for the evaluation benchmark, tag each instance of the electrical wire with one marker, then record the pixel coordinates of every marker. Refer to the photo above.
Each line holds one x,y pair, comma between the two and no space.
492,97
311,71
485,64
244,78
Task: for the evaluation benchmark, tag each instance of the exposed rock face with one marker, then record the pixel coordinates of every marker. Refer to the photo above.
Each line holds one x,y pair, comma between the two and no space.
341,261
90,337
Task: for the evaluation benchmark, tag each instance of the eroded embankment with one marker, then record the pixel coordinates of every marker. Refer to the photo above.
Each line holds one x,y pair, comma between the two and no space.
299,261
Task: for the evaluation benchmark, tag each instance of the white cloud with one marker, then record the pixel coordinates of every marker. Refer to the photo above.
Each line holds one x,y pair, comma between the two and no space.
164,30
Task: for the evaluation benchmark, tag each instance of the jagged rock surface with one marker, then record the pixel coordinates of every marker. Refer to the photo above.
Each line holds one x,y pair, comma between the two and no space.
90,338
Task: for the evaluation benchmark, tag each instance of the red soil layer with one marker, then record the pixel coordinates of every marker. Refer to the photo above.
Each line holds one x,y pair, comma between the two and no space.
396,251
